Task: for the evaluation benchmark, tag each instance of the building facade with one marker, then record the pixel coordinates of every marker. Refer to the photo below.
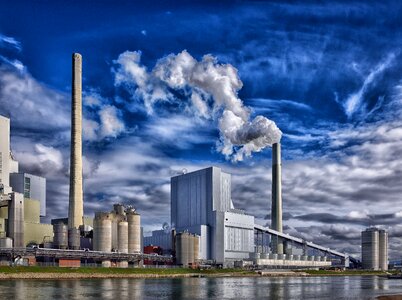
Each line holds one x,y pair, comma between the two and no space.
374,249
32,186
161,238
24,198
201,204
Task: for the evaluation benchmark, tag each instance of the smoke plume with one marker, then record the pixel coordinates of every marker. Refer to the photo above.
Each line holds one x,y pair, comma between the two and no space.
211,91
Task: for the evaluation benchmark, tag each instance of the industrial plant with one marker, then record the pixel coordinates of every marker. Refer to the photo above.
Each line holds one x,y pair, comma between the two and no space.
205,227
375,249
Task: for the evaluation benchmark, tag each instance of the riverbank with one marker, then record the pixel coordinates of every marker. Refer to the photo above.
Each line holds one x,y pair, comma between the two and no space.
346,273
92,273
80,273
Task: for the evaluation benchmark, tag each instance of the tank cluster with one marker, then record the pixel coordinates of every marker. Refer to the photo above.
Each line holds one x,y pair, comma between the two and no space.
118,230
187,247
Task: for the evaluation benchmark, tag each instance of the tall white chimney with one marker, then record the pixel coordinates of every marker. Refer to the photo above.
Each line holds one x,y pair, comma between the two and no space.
276,208
76,204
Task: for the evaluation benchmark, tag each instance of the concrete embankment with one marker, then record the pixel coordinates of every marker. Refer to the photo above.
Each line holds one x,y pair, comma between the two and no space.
95,275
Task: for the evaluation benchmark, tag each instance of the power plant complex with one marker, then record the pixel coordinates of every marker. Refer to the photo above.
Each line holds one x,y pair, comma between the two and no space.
205,227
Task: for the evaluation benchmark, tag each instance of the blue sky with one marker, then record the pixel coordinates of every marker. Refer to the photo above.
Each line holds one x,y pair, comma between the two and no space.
327,73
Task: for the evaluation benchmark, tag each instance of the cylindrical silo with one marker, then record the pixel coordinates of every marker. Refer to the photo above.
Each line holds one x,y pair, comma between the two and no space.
123,237
6,242
178,249
184,249
119,209
383,250
60,240
103,235
370,249
134,232
196,242
115,232
190,247
74,238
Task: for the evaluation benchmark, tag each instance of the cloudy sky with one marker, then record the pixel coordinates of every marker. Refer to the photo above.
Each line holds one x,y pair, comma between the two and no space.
174,86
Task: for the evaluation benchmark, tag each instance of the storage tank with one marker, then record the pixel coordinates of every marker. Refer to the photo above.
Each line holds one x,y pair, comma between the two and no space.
254,255
196,241
190,247
179,249
184,249
60,240
103,235
74,238
123,237
134,232
118,209
115,232
370,249
6,242
383,250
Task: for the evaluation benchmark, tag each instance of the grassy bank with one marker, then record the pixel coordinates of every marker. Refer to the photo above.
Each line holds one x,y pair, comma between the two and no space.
120,271
86,272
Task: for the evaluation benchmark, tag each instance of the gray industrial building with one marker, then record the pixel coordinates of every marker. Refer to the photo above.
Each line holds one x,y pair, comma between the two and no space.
201,204
31,186
374,249
161,238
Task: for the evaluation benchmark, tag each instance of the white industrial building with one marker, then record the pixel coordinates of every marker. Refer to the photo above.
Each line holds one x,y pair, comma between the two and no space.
201,204
22,198
32,186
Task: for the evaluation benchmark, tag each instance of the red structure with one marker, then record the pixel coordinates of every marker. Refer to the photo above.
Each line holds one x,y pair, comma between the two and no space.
152,250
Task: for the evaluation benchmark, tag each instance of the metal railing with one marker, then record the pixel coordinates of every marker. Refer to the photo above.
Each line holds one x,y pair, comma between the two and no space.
82,254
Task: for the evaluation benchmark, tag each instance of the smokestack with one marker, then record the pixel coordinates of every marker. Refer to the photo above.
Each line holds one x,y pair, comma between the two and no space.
76,205
276,209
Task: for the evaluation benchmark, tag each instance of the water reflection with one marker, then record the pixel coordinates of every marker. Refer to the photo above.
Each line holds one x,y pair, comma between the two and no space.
352,287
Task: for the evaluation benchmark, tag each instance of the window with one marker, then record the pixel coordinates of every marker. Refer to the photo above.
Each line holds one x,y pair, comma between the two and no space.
27,187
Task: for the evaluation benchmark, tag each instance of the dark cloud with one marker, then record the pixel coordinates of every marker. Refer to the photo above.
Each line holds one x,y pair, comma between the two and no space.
302,65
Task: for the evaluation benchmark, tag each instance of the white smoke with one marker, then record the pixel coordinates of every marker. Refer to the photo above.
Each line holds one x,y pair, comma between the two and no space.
212,90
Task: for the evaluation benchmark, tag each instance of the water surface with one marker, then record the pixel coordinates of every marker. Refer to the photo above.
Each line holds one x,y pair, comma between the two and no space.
345,287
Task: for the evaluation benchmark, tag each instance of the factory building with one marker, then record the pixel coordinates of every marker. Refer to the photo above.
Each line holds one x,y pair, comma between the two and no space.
374,249
161,238
201,204
23,198
32,186
7,162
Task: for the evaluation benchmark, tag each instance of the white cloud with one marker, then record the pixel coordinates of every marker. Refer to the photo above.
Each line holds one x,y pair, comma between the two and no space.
357,214
10,41
46,160
354,102
206,83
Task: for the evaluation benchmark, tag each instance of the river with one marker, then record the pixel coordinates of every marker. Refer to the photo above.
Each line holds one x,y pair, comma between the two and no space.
344,287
